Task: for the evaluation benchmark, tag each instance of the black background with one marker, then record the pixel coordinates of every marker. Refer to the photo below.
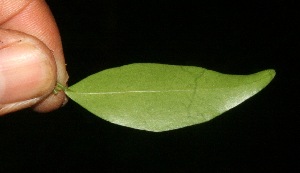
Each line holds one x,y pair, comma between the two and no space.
244,37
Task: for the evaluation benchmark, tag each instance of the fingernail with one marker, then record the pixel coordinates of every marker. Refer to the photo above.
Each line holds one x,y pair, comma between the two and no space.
25,71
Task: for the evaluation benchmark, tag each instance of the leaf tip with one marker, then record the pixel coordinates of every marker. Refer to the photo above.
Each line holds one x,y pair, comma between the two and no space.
272,73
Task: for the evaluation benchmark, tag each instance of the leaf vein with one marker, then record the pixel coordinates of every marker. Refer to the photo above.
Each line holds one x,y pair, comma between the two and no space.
126,92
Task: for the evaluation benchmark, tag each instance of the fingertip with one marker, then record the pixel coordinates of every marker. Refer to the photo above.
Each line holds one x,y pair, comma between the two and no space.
52,102
27,68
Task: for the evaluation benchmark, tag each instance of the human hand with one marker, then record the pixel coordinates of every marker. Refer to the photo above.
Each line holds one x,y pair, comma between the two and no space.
31,57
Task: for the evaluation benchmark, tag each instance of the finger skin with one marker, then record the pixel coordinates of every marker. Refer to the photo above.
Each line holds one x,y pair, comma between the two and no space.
33,17
27,67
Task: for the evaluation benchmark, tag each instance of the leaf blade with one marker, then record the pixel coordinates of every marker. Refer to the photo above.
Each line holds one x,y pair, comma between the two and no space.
156,97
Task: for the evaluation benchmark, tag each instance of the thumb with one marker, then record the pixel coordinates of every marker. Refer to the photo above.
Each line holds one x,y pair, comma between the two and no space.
27,71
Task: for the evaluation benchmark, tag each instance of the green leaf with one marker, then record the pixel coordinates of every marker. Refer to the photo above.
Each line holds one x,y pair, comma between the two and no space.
156,97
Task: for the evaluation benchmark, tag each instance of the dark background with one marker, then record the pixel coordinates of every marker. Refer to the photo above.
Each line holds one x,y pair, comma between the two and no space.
231,37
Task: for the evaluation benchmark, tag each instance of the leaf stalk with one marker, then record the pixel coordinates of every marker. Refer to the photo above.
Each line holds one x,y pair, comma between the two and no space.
59,87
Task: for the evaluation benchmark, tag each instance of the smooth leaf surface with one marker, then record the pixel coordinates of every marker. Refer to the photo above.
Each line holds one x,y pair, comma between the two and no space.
157,97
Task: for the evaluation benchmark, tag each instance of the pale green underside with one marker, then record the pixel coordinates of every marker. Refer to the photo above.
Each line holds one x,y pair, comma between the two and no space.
156,97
